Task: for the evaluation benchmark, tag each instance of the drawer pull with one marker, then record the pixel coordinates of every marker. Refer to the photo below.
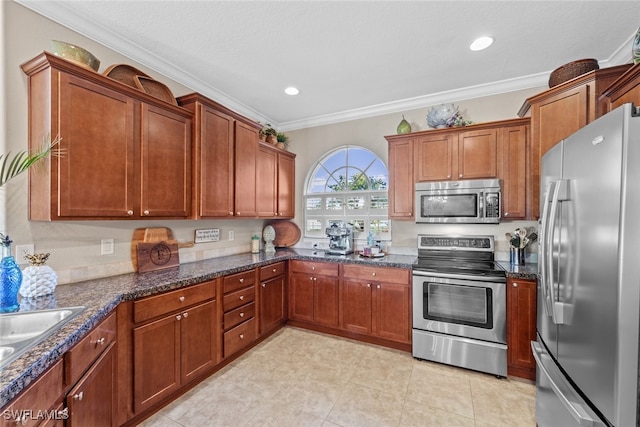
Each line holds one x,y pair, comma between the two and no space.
242,280
178,317
100,341
368,285
181,299
274,270
313,268
185,314
241,336
241,297
378,286
241,314
78,396
264,285
373,274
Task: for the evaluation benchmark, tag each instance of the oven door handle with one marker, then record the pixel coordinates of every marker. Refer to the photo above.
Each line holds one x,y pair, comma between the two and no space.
460,276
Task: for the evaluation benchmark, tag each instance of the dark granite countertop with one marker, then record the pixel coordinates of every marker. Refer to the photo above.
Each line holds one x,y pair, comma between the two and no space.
525,272
101,296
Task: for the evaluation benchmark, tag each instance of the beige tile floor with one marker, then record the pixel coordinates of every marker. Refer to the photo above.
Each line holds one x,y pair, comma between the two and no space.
302,378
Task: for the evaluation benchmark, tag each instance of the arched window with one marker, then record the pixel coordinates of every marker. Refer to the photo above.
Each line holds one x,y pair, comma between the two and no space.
348,184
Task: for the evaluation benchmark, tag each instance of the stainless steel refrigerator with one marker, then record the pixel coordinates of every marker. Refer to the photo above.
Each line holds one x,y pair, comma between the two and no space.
589,276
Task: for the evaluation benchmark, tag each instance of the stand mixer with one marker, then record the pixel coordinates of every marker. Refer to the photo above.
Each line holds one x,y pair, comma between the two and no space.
340,239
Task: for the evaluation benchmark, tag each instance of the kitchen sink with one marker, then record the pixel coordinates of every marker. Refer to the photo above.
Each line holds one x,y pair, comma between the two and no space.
21,331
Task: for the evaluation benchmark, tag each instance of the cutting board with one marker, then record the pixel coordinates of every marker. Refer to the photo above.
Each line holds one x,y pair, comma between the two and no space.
141,255
287,233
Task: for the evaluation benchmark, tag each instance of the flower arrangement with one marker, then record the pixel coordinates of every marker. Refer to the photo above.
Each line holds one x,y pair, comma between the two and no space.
522,237
457,120
446,116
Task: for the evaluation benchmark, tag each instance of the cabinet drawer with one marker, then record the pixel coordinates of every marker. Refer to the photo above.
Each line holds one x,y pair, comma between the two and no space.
239,337
378,274
158,305
272,270
239,315
43,394
88,349
325,268
238,281
238,298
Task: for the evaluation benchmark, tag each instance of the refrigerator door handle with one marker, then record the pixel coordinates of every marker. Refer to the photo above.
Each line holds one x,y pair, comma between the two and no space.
551,226
544,250
576,410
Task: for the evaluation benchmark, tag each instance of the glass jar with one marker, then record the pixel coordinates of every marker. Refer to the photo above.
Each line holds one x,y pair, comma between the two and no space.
255,244
10,277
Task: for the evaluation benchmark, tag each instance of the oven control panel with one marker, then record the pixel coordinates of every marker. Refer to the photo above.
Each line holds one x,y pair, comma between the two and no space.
482,243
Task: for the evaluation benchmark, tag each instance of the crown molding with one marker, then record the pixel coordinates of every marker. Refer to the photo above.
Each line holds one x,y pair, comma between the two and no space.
64,14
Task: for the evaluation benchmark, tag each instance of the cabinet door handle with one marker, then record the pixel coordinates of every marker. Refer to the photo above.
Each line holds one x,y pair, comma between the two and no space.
185,314
146,212
506,214
100,341
78,396
274,270
242,280
231,213
241,314
515,284
241,336
368,285
377,286
313,268
373,274
178,317
241,297
264,285
129,212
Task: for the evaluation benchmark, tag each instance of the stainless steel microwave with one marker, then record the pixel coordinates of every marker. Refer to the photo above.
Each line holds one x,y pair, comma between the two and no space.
477,201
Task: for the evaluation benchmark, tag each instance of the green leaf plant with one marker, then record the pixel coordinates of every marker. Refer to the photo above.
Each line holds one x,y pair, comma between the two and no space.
13,165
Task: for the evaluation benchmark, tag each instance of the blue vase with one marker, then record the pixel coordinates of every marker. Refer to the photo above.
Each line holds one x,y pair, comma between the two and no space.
10,278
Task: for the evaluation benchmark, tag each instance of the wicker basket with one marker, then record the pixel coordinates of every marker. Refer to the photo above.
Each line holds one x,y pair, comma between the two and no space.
124,74
572,70
155,89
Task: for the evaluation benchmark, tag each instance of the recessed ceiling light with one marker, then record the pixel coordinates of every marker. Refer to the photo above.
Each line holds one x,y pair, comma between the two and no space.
291,90
481,43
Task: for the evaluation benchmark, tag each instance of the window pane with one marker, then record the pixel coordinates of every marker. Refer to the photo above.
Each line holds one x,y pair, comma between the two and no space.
318,181
335,203
378,175
314,203
360,158
379,202
338,180
379,226
358,180
314,225
358,226
355,202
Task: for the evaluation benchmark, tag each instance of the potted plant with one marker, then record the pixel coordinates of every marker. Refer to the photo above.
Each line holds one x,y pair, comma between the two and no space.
282,140
268,134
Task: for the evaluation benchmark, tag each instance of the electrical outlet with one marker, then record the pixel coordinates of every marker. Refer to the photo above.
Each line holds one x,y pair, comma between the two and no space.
22,250
107,247
231,235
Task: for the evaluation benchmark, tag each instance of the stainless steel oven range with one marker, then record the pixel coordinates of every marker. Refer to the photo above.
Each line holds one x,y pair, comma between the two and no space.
459,303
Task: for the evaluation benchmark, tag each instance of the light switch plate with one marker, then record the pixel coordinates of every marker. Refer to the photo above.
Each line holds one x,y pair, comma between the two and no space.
207,235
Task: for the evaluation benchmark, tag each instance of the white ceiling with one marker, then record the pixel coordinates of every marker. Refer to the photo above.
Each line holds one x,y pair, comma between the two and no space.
351,58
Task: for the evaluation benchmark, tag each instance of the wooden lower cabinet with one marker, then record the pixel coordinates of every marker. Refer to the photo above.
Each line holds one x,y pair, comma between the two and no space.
91,402
271,297
172,350
521,327
376,301
314,292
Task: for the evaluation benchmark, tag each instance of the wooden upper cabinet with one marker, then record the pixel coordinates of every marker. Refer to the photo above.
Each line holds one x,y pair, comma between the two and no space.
286,185
561,111
477,151
267,181
226,151
125,154
401,179
482,151
436,157
513,169
623,90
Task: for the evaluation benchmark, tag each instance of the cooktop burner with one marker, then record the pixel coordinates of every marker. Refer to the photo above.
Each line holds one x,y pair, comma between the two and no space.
469,255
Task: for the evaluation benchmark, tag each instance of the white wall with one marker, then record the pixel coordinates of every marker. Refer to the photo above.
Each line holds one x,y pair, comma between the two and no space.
75,246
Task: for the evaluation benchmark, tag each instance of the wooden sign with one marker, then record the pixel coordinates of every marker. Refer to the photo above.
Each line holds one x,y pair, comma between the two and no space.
157,255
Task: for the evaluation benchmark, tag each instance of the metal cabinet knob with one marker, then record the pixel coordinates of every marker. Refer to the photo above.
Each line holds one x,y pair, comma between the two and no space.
100,341
506,214
78,396
368,285
178,317
231,213
241,336
515,284
185,315
264,285
274,270
242,280
378,286
146,212
129,212
373,274
241,297
241,314
181,299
